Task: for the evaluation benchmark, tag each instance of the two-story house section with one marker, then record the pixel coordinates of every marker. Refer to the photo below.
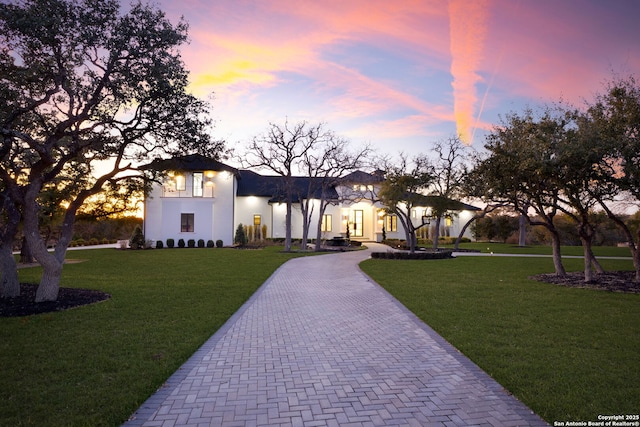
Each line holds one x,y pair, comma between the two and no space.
196,200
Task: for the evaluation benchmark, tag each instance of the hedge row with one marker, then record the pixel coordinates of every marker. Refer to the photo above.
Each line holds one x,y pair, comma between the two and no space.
191,243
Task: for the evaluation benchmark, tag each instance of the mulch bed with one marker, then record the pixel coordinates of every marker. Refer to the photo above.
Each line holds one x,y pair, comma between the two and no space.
25,304
612,281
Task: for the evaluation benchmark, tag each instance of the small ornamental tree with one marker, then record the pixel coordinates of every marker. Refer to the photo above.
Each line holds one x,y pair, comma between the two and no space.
240,238
137,239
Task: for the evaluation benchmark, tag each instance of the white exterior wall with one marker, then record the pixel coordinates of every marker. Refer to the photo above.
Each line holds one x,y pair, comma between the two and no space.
247,207
218,212
213,212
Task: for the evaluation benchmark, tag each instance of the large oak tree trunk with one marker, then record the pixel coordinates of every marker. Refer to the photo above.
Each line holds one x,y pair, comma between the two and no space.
436,232
50,282
9,283
588,271
557,257
522,231
51,262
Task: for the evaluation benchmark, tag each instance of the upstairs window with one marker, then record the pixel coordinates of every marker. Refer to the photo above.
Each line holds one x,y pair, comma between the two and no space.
181,183
198,184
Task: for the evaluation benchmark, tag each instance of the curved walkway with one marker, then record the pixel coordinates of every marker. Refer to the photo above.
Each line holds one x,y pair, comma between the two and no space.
321,344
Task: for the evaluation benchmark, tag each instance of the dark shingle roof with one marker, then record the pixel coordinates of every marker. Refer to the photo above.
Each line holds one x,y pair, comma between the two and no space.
253,184
191,162
360,177
442,201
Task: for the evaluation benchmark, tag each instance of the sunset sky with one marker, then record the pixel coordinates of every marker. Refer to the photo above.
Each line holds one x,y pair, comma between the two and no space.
402,74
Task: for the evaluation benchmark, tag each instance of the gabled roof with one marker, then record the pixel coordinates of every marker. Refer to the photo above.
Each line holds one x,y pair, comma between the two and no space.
360,177
191,162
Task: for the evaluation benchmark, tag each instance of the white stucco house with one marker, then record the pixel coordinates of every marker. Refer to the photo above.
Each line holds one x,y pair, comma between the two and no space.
202,198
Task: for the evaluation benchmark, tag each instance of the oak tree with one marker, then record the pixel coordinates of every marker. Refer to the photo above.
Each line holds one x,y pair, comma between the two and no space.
89,92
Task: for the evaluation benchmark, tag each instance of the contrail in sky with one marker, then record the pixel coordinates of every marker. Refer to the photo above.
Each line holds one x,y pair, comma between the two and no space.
467,28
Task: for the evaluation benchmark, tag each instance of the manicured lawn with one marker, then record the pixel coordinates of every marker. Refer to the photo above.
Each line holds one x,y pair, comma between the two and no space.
94,365
569,354
503,248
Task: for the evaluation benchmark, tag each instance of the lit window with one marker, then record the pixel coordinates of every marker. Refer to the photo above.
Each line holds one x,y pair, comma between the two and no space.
186,222
198,181
391,223
326,222
181,183
257,220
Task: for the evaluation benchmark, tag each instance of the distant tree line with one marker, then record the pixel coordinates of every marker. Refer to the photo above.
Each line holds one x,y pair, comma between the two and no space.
505,228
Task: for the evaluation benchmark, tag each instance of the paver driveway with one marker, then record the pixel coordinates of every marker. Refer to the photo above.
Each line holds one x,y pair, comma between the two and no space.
321,345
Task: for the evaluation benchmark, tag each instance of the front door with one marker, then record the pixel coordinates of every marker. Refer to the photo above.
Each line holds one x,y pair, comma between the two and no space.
358,226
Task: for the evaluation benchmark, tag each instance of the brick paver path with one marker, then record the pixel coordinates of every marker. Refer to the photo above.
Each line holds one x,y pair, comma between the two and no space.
320,344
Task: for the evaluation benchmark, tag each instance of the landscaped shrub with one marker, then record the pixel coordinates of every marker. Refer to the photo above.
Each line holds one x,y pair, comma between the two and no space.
264,232
191,243
210,244
241,236
105,241
80,242
159,244
94,241
200,243
137,239
219,243
181,243
171,243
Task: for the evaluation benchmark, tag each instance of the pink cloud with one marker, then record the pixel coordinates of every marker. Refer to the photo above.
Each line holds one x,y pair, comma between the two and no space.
406,66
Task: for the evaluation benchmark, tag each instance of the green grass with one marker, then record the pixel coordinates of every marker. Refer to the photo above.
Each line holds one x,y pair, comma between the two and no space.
569,354
504,248
94,365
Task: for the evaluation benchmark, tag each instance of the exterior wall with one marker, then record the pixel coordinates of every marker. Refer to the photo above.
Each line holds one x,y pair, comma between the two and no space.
213,212
218,212
247,207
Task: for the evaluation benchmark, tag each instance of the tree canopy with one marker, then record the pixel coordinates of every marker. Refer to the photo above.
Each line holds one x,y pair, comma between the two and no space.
88,92
568,160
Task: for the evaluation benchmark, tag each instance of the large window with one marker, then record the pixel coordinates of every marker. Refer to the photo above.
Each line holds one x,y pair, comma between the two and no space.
391,223
326,222
186,222
198,182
